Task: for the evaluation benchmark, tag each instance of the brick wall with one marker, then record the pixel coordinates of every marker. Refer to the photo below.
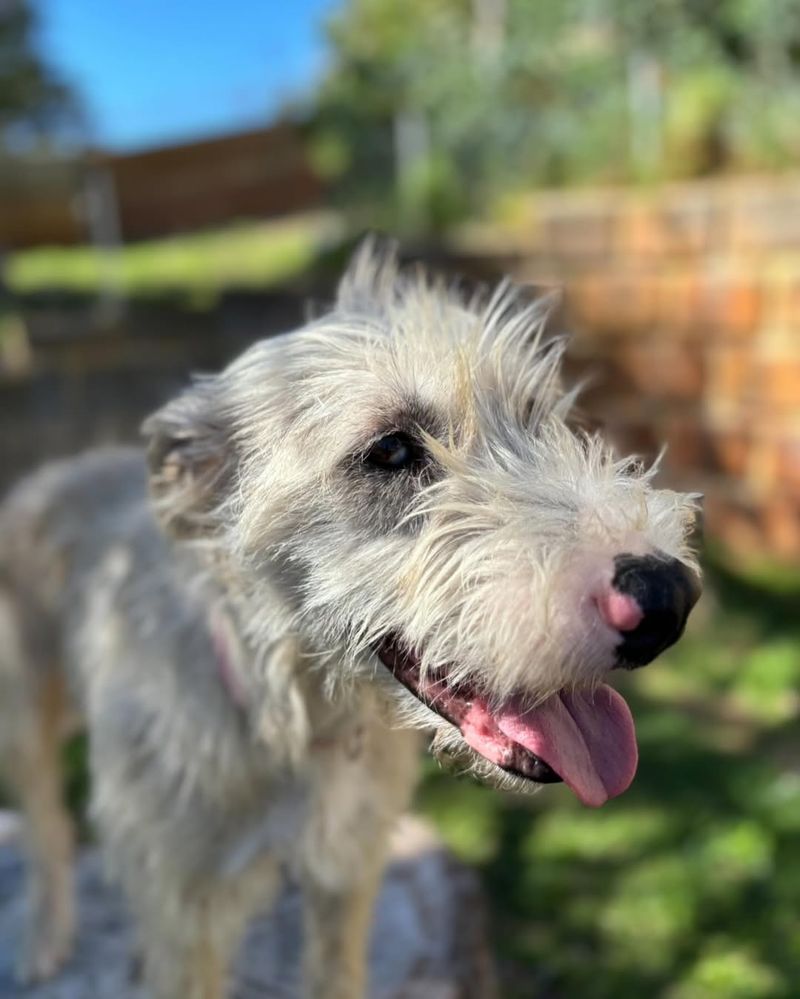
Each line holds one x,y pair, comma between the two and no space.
685,301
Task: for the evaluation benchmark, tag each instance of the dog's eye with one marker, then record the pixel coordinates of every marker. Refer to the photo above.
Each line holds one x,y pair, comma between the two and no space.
395,452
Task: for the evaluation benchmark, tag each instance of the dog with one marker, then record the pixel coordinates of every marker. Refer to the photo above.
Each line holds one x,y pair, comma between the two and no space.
379,527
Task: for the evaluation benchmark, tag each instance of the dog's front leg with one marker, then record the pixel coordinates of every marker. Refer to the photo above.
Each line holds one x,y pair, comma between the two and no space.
337,930
189,944
32,765
360,791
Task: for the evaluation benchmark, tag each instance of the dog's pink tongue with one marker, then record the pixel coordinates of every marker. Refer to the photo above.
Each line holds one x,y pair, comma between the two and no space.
587,737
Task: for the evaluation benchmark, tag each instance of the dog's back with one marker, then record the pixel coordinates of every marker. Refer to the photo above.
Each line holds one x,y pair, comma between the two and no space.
55,526
52,525
97,600
99,621
60,519
198,794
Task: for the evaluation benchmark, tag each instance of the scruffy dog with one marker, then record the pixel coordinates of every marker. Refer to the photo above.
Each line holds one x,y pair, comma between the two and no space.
378,524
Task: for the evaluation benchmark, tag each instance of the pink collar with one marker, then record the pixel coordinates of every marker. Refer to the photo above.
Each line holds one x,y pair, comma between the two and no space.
224,644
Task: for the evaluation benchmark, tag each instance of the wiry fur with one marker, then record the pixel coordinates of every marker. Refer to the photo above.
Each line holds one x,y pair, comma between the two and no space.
268,544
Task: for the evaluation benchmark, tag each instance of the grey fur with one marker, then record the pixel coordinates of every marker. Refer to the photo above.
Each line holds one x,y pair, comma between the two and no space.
217,637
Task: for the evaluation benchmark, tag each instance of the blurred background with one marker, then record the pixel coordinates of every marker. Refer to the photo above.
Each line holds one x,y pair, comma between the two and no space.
176,181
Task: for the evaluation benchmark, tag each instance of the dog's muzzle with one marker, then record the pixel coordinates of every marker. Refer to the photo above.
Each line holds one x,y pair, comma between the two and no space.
650,600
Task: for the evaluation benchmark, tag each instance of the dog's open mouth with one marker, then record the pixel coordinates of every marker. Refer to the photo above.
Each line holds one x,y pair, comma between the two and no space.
585,738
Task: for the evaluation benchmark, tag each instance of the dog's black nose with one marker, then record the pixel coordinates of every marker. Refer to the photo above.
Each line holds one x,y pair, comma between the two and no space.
665,591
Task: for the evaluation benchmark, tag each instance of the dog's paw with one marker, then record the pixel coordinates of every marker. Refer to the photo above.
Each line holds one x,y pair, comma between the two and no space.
43,954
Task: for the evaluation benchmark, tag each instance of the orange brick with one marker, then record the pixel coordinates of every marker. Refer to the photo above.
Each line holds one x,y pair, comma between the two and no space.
588,305
784,305
780,385
635,299
730,305
732,375
688,446
738,526
641,232
614,302
767,218
762,466
679,302
788,467
731,450
580,233
689,224
664,368
781,524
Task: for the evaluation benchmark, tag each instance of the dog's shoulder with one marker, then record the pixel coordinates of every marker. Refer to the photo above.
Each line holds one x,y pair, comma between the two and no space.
93,477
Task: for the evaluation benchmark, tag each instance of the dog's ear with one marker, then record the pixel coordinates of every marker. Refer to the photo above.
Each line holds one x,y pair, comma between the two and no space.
187,455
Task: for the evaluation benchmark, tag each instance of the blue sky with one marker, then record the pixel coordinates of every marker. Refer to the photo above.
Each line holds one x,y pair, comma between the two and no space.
154,71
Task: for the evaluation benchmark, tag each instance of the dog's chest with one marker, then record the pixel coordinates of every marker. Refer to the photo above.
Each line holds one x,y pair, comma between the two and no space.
324,798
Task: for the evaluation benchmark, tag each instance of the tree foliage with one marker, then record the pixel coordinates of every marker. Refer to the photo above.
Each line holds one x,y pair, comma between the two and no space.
34,102
509,93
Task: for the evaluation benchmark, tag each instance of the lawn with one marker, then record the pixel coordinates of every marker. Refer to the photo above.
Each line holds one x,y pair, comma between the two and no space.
688,886
198,265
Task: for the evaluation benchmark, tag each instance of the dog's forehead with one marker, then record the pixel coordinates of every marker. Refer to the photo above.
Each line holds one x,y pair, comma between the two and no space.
417,353
433,355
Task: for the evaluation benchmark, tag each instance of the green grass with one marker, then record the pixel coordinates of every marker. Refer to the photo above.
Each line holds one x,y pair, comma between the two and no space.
198,265
688,886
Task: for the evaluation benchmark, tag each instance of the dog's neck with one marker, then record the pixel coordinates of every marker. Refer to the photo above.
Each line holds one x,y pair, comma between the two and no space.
279,689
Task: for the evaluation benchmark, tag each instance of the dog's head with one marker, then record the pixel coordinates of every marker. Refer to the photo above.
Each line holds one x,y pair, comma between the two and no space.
402,470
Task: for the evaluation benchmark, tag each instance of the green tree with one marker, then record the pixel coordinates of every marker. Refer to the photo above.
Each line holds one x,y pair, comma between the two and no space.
34,102
443,103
